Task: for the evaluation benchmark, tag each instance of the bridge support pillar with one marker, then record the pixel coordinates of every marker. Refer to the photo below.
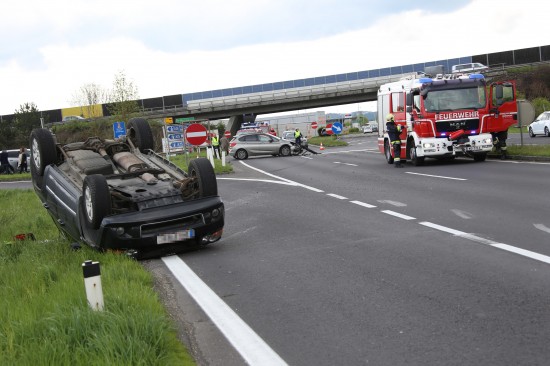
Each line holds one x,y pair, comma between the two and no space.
234,124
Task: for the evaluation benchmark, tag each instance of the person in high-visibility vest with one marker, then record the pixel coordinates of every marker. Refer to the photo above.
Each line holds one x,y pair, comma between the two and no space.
216,145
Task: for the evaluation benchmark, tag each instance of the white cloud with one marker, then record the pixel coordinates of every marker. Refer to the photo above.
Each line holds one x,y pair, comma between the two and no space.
408,37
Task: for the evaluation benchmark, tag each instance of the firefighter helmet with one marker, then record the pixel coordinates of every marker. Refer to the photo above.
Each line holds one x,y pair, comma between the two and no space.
389,118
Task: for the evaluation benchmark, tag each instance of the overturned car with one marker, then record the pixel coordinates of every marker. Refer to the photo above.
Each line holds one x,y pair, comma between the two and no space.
120,195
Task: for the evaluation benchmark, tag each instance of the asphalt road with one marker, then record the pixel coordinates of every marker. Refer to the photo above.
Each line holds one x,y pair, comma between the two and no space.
361,263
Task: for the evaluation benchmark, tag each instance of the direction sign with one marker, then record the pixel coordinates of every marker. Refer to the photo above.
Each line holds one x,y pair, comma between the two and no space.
176,144
328,129
174,128
184,119
175,136
313,125
119,129
196,134
337,128
227,134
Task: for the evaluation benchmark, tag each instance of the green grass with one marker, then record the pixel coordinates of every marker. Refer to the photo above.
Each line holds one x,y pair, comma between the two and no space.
15,177
529,150
45,318
328,141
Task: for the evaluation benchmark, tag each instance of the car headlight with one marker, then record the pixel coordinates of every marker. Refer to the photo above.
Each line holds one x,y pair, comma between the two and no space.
428,145
487,141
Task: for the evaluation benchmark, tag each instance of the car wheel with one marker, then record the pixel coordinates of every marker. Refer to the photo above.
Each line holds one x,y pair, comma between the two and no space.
415,160
241,154
206,184
96,200
546,132
285,150
141,135
387,152
531,134
480,157
43,153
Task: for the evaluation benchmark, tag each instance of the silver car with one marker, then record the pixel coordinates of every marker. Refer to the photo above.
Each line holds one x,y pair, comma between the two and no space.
253,144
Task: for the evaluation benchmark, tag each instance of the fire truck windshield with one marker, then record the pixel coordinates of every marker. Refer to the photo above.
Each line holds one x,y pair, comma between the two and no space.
447,99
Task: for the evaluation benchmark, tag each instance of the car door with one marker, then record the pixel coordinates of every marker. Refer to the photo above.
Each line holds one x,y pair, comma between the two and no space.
267,145
250,143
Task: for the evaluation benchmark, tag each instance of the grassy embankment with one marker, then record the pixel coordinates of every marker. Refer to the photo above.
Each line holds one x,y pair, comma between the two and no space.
45,318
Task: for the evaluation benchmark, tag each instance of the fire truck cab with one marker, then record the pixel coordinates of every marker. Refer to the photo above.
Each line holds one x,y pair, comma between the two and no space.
447,116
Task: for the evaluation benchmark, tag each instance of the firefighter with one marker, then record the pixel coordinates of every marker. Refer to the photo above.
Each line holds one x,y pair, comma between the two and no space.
499,142
394,131
298,137
216,146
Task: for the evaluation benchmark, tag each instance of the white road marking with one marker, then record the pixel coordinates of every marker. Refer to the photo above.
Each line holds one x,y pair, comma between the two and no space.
523,252
393,203
397,214
436,176
337,196
283,179
338,162
367,205
344,151
259,180
250,346
461,214
542,227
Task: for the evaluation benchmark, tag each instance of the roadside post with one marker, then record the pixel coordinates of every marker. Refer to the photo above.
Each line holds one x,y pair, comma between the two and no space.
92,283
526,113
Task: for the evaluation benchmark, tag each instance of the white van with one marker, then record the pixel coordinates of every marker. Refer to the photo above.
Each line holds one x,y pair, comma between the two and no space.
474,66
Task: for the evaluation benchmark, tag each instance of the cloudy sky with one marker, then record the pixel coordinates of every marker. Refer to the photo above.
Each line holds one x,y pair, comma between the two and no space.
49,49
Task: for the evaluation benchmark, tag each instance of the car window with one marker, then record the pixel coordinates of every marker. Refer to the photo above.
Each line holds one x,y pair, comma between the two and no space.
264,138
249,138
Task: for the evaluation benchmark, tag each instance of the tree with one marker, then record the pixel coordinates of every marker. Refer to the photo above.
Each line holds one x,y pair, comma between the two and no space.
123,98
26,118
88,97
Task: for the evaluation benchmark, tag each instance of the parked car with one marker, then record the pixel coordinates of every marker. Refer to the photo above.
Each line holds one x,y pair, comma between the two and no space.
120,195
367,129
253,144
374,127
540,126
13,158
72,118
469,67
289,136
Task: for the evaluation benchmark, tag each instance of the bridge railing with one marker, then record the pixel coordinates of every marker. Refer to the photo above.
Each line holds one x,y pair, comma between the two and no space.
291,94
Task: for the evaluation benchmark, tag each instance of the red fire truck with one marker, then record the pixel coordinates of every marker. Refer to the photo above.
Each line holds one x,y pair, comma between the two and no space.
446,116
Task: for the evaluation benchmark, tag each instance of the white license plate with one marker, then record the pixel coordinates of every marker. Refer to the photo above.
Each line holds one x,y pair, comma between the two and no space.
179,235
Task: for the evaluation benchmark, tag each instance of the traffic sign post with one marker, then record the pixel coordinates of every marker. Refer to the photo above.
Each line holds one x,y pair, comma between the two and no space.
196,134
337,128
119,129
328,129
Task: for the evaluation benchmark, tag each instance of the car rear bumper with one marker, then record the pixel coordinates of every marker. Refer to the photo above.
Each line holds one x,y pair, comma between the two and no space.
141,230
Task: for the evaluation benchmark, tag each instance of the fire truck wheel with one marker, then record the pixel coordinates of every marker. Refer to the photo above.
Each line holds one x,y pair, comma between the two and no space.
415,160
387,152
480,157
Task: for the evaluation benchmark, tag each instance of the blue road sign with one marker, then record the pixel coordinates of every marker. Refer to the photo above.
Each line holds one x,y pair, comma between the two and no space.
119,129
175,136
174,128
176,144
337,128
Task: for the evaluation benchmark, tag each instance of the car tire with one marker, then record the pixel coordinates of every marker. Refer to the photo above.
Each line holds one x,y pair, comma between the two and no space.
531,134
96,200
141,135
387,152
43,153
206,184
546,132
480,157
241,154
285,150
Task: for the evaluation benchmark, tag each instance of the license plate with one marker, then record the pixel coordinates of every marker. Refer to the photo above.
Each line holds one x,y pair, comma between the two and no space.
179,235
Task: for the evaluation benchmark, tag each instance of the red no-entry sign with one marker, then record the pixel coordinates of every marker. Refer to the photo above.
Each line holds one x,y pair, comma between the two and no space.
328,129
195,134
313,125
227,134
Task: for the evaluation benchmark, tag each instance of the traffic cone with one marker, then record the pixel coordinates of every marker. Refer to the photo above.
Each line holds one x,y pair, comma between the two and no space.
321,147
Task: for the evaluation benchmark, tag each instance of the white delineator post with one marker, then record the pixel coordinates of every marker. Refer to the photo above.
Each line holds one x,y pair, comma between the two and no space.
223,158
92,283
